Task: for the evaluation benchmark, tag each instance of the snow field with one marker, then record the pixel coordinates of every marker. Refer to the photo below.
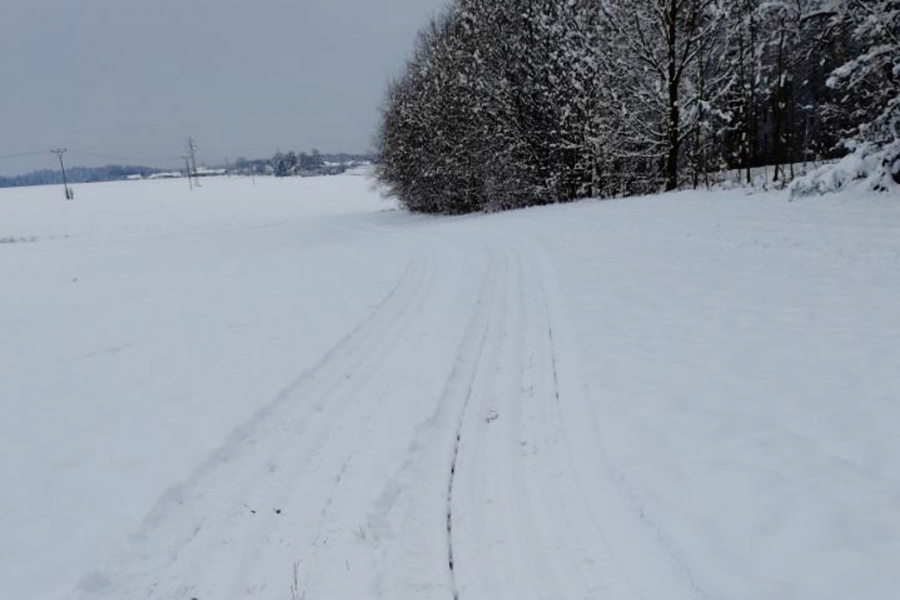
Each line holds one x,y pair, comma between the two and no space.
254,391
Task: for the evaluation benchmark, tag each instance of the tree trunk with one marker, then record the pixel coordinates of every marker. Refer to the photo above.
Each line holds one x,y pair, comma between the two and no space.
673,115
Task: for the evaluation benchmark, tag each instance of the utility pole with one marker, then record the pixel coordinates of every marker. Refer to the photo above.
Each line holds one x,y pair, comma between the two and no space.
192,153
187,170
70,195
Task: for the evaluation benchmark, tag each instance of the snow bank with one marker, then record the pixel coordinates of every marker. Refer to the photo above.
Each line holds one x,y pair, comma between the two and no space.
869,168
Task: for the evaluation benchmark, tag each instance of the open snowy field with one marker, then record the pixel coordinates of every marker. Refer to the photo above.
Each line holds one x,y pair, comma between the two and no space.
293,390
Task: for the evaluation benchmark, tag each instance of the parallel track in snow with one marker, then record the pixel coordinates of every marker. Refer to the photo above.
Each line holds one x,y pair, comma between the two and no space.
432,453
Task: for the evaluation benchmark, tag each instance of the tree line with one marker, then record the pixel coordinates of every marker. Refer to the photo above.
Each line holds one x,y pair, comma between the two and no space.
508,103
77,175
290,164
282,164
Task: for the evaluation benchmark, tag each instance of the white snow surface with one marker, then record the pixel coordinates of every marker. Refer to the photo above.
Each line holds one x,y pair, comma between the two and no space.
291,389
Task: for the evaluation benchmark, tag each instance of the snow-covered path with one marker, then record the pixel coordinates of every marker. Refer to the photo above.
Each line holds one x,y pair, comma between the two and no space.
423,456
287,391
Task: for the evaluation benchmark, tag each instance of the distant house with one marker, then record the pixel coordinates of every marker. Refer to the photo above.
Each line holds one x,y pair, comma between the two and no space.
205,172
166,175
135,177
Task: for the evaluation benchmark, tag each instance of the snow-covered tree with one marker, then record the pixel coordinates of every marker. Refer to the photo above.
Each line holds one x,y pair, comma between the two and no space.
868,84
508,103
654,46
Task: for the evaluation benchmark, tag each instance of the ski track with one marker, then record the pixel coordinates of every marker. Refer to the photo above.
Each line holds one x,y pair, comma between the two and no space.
493,482
204,527
624,539
518,505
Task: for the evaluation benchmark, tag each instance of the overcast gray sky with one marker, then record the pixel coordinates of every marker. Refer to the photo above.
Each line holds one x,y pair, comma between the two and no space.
134,78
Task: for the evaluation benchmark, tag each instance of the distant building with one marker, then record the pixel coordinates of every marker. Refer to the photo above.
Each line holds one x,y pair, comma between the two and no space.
205,172
166,175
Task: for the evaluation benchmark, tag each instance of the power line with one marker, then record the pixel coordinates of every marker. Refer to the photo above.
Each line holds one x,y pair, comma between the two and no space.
121,157
76,151
24,154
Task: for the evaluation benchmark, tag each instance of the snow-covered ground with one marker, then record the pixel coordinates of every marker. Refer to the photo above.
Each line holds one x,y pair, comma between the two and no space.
293,390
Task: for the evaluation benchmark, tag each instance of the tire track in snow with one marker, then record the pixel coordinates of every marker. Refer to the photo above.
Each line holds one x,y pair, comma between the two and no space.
162,567
348,464
329,428
524,524
506,551
505,490
486,342
631,556
415,504
583,567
